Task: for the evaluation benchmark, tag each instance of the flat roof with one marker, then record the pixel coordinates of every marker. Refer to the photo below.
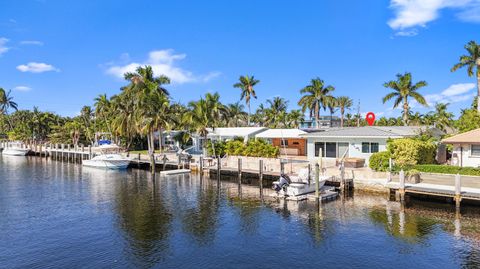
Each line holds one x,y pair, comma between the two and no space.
369,131
281,133
234,131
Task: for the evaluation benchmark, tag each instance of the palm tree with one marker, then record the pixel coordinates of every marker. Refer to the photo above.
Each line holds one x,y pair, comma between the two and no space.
403,88
276,113
443,118
416,119
103,109
343,102
295,118
151,99
315,96
234,115
6,103
471,61
246,84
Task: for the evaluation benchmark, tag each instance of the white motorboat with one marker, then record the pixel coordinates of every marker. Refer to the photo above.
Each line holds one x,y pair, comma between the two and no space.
109,158
296,185
15,150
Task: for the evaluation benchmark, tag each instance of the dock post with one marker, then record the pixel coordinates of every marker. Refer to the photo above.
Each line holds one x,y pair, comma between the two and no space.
260,171
62,154
219,167
309,173
200,165
89,152
317,183
239,171
402,185
282,167
343,185
458,190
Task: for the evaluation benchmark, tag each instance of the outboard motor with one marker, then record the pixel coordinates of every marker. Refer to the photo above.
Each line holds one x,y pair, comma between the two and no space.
283,181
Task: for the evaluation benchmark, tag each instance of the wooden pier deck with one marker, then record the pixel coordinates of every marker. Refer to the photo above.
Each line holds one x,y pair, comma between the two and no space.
437,190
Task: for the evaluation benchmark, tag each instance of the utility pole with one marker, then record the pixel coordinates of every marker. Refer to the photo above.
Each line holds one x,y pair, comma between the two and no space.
358,113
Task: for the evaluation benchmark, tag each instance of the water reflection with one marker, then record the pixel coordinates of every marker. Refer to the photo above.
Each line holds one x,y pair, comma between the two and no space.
201,219
144,219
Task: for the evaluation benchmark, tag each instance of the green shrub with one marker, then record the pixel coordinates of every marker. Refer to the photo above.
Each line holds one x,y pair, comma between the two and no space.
411,151
447,169
253,148
216,148
379,161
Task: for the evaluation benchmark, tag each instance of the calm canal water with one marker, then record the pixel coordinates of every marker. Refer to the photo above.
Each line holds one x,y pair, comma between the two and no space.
57,215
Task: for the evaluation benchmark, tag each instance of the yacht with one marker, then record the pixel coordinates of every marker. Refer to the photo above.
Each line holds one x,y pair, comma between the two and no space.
109,158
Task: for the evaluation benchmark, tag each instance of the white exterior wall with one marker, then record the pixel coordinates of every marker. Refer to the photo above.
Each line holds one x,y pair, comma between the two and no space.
354,148
463,157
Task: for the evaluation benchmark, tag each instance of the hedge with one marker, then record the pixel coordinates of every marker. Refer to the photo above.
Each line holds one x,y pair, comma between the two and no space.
379,161
447,169
253,148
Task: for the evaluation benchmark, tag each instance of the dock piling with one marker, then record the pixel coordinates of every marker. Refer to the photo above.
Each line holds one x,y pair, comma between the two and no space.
317,182
402,185
260,171
458,190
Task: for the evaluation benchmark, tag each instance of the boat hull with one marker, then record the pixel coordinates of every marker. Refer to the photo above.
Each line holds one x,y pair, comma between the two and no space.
15,152
107,164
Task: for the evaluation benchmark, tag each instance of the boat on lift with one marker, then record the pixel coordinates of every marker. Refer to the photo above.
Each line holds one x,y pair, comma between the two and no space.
109,158
298,184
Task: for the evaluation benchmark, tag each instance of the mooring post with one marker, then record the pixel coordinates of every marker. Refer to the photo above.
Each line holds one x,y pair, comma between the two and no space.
282,167
317,181
458,190
219,167
343,185
389,179
62,153
89,152
239,171
402,185
164,162
309,173
260,171
200,165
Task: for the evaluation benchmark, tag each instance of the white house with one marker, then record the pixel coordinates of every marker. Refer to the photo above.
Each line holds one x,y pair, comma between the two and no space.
466,148
357,142
229,133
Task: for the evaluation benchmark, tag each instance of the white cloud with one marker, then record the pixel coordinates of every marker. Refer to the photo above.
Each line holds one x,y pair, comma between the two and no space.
31,42
3,45
417,13
22,88
456,93
34,67
163,62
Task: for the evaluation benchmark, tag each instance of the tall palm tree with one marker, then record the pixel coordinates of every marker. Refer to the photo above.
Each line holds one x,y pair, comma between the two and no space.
234,115
103,108
6,103
343,102
295,118
403,88
416,119
246,84
472,62
276,112
315,96
151,98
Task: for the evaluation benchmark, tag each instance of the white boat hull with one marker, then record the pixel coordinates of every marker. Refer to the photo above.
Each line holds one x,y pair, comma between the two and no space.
110,161
15,152
301,188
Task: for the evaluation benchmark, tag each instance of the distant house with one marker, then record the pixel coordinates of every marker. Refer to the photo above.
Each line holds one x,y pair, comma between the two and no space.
289,141
466,148
324,122
229,133
358,142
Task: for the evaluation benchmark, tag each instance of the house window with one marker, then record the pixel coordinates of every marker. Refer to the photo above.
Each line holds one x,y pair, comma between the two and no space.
331,150
476,150
318,146
284,143
296,143
368,147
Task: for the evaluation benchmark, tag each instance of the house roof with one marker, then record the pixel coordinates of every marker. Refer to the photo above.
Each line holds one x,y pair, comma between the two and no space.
471,137
235,131
281,133
370,131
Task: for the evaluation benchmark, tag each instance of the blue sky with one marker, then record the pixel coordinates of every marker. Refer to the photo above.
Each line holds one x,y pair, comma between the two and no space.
59,55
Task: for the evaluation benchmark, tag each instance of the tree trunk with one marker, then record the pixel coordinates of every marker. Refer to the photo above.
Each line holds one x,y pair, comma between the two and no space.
478,87
405,112
248,116
317,115
342,111
160,140
151,150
